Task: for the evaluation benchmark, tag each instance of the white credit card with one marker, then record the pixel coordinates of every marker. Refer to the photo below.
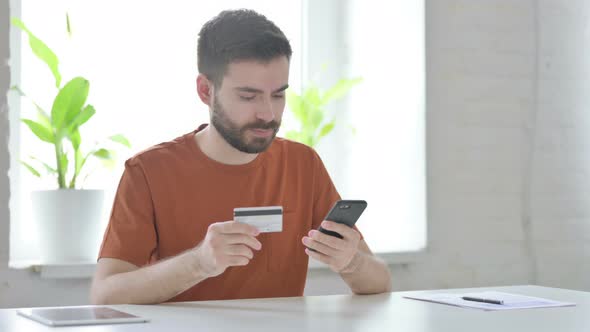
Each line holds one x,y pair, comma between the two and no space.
266,218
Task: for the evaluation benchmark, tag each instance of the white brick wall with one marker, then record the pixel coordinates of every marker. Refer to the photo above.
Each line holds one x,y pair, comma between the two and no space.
560,197
508,141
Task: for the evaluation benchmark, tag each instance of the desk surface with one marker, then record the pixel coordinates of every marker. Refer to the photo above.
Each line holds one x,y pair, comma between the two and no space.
384,312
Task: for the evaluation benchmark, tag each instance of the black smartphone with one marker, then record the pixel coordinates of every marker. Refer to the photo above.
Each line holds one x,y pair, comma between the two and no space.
345,212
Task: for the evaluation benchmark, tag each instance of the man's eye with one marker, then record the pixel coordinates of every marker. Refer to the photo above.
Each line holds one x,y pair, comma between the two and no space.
247,98
281,96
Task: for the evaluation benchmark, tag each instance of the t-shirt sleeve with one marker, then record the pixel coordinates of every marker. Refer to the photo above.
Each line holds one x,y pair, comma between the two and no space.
131,232
325,193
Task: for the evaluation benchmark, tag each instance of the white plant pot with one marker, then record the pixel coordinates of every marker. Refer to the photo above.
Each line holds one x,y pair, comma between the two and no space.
69,224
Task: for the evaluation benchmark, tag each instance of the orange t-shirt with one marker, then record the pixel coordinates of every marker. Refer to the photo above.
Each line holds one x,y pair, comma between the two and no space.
170,193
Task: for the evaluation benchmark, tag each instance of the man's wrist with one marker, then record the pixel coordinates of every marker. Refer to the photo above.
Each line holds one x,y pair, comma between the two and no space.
197,269
355,263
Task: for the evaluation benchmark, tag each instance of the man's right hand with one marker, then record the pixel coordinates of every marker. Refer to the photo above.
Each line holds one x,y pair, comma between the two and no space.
226,244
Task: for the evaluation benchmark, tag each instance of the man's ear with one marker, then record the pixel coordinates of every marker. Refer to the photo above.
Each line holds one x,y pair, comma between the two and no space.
204,89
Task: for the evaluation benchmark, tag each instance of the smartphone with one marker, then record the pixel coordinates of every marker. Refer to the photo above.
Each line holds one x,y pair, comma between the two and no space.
345,212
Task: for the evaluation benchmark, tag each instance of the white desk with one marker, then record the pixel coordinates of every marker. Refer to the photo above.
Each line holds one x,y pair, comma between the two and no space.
384,312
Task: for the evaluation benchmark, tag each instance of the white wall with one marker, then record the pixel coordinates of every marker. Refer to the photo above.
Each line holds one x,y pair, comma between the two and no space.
508,158
560,207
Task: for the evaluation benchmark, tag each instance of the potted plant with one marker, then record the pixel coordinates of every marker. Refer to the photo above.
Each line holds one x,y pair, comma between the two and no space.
309,109
68,218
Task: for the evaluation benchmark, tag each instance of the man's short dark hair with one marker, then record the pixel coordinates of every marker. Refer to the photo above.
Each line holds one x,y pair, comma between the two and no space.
238,35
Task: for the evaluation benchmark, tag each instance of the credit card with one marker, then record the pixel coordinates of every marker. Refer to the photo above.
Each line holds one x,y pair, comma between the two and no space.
267,219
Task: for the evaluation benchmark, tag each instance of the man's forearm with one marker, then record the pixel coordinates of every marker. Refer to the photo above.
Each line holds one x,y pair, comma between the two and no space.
367,274
151,284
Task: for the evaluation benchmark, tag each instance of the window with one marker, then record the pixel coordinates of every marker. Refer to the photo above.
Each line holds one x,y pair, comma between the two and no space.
384,161
140,59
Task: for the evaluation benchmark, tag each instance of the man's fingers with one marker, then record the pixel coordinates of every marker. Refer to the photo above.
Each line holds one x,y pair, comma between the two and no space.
320,247
232,227
318,256
238,261
326,239
239,250
344,230
248,240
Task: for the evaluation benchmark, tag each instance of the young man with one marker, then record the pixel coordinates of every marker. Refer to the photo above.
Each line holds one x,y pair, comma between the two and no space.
171,236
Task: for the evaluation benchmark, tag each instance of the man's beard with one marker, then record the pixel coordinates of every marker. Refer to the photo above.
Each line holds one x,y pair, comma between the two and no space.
236,136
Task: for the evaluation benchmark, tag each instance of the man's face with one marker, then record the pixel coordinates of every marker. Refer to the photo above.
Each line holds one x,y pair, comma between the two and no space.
248,105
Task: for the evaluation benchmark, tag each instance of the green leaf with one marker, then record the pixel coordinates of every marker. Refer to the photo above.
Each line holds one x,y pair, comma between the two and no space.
296,105
309,110
340,89
41,50
64,163
103,154
82,117
68,25
18,90
68,103
75,139
121,140
31,169
315,119
107,157
43,133
79,162
48,168
326,129
78,159
42,116
311,96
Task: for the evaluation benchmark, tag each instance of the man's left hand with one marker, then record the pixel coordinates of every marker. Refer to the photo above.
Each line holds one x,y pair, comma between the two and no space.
339,254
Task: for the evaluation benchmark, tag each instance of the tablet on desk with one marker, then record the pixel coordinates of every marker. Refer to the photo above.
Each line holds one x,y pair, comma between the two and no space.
86,315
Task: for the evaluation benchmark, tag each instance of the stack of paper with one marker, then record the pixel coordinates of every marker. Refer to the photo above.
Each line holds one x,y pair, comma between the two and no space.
508,301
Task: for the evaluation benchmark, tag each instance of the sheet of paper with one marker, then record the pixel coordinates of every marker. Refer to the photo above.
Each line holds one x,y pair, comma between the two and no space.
511,301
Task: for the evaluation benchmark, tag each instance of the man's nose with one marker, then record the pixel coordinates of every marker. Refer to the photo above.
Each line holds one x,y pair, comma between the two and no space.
266,112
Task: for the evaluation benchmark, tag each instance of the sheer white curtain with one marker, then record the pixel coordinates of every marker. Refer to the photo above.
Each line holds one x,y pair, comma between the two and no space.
386,161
